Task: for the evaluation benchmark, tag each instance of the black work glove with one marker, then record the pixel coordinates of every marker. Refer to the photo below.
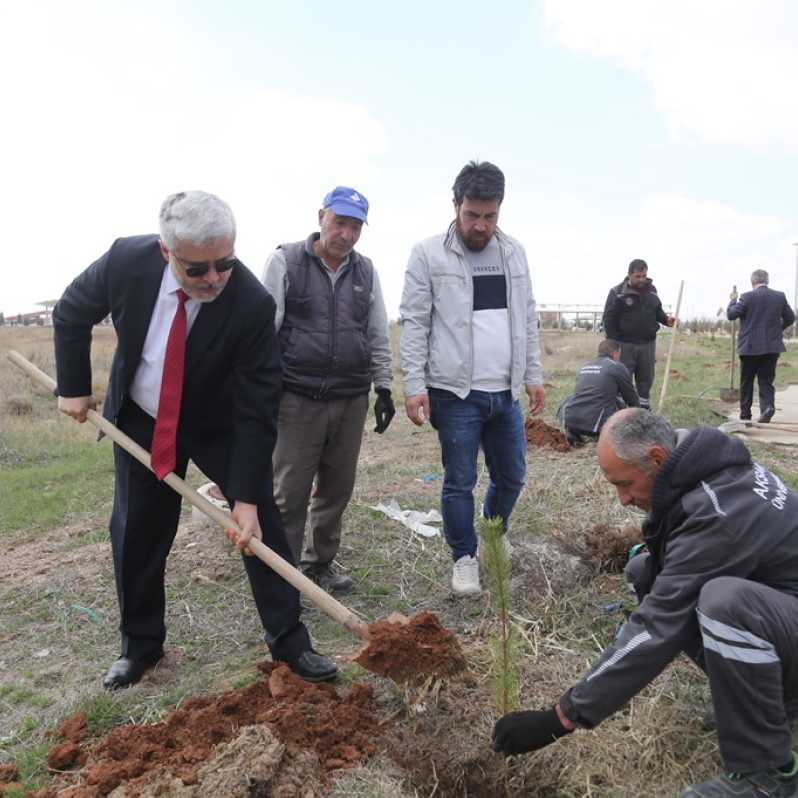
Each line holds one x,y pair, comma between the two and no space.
384,409
519,732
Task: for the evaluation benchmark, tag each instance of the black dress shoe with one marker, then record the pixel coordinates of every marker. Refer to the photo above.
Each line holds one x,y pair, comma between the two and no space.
125,672
767,414
313,667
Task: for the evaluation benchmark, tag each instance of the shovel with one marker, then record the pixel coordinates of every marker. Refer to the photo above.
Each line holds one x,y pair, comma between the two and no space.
741,425
323,600
731,394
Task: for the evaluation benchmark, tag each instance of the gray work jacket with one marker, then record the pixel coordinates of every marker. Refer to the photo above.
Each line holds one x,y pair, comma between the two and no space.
598,386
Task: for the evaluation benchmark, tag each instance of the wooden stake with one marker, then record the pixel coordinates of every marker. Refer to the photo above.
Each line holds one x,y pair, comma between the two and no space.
674,329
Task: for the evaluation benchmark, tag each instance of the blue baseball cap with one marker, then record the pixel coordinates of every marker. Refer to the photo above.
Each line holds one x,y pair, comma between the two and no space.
345,201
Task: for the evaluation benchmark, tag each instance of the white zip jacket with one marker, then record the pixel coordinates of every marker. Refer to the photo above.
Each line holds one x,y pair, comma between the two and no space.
436,314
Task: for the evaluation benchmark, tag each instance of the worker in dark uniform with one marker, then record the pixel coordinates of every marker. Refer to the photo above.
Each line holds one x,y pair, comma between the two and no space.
603,386
719,583
632,315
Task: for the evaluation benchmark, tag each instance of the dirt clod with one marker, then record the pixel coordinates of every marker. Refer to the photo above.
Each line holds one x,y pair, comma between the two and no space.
64,756
8,773
73,729
410,653
539,433
608,547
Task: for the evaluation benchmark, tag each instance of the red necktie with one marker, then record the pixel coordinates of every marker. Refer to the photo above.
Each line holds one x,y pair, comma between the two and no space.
164,447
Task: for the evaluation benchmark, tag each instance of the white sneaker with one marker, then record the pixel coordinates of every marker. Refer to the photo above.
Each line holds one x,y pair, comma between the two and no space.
465,576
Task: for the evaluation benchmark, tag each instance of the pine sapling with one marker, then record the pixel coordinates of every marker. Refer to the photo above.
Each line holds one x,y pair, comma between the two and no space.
496,562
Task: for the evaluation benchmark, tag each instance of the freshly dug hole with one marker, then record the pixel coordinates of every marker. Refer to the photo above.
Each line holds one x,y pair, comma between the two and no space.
608,547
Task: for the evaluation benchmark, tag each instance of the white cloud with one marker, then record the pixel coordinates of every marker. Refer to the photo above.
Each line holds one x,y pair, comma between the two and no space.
112,110
709,245
720,71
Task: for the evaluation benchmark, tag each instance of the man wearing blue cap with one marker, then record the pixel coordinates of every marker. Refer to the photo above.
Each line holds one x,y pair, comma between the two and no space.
333,332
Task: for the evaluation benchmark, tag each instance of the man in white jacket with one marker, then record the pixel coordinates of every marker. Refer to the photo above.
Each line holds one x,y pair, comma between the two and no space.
469,342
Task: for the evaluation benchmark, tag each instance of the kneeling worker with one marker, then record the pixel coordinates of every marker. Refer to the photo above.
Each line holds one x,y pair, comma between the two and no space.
720,584
603,386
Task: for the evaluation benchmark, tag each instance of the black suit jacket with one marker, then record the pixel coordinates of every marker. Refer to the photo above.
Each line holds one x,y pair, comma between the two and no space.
232,382
764,314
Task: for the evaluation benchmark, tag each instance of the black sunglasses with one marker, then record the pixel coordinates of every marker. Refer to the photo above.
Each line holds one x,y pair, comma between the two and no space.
198,269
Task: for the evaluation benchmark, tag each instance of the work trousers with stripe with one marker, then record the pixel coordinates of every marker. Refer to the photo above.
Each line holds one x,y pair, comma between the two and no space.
748,647
750,637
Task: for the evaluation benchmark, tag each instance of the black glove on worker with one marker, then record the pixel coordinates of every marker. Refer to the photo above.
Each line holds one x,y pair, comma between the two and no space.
384,410
519,732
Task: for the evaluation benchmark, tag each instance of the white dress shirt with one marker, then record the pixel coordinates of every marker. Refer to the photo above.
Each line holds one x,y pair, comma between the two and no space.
145,389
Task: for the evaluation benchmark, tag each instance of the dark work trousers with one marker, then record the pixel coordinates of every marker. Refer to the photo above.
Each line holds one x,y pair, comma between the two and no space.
578,437
763,367
748,647
143,526
640,360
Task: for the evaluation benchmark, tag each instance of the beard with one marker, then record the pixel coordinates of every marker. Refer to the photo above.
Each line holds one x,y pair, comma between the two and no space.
476,242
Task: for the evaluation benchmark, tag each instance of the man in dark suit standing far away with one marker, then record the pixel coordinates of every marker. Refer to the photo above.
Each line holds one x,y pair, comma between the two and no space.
196,375
764,315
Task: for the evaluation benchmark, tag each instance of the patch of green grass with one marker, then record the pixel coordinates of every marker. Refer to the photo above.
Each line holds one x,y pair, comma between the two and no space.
103,712
171,700
789,479
32,766
350,673
19,694
244,679
27,728
686,412
40,495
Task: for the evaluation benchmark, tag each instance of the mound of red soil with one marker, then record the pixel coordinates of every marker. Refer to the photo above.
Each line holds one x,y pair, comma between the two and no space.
341,730
539,433
608,547
677,375
411,652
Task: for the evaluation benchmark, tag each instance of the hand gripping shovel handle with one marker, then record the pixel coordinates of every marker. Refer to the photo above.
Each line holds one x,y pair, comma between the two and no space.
293,576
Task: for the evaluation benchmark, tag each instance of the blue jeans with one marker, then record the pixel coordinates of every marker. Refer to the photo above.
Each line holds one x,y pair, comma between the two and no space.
490,420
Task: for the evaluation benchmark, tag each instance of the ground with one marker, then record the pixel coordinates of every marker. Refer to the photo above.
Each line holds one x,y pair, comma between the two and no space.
58,616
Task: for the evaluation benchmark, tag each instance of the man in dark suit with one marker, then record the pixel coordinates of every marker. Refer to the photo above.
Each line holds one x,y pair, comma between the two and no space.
764,315
196,375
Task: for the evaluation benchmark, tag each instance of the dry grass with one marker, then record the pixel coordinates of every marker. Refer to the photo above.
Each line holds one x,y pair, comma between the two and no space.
54,581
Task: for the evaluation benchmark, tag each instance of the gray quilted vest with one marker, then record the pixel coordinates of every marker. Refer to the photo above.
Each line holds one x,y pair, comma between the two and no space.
323,338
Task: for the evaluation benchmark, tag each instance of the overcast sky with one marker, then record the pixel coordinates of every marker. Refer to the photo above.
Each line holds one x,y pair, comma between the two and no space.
625,128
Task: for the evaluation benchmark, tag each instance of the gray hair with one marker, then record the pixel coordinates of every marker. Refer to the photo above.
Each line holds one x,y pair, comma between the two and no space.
196,217
635,432
759,277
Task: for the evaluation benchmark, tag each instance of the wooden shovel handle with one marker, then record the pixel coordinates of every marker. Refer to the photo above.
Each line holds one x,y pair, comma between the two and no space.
292,575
